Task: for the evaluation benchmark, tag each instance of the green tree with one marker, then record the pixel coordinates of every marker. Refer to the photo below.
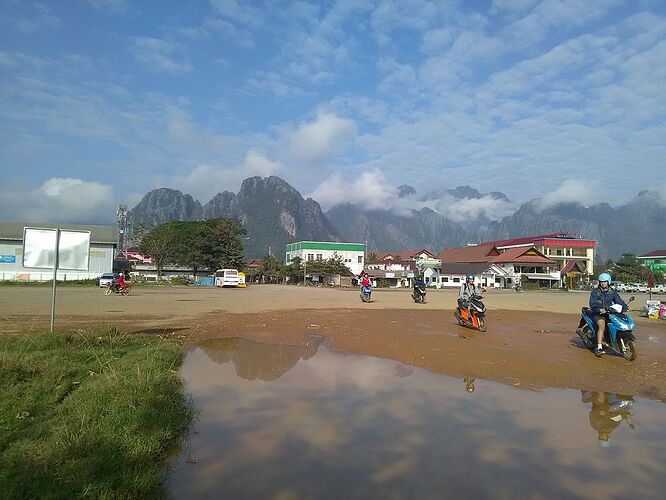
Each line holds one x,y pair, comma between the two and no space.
161,244
372,257
221,245
272,269
629,269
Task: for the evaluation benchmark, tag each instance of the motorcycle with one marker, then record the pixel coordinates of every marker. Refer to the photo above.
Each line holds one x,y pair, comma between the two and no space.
618,335
115,288
476,319
418,294
365,293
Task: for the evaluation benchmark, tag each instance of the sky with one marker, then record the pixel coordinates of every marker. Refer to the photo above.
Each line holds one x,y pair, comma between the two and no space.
104,100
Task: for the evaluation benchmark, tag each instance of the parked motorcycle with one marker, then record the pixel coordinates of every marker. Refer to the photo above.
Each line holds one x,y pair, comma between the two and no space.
115,288
476,319
618,335
419,293
365,293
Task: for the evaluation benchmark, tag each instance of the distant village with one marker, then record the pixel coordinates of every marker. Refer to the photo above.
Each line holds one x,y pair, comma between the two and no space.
554,260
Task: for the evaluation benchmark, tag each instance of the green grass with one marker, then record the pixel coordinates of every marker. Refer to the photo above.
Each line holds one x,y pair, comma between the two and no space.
49,283
89,415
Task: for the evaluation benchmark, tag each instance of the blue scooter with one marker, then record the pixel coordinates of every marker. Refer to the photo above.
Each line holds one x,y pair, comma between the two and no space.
619,335
365,293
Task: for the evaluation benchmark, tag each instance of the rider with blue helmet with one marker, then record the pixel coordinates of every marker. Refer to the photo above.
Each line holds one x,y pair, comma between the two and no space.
601,299
467,291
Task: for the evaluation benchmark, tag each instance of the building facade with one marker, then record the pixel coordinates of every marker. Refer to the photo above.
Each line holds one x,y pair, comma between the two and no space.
352,254
103,242
655,260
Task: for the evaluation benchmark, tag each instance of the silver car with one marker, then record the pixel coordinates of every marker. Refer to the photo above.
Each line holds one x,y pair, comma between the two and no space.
107,278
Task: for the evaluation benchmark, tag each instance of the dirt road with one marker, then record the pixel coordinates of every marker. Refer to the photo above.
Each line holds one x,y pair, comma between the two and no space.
530,342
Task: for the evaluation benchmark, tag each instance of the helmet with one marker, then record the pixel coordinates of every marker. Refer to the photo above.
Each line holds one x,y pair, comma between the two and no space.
469,276
605,277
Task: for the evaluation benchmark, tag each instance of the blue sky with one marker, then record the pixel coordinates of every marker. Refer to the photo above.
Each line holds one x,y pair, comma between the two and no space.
103,100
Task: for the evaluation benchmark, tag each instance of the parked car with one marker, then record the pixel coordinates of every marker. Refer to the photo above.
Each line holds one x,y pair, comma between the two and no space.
620,287
661,288
106,279
640,287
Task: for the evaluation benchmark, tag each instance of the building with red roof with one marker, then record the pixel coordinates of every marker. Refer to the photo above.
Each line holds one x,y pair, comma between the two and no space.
655,260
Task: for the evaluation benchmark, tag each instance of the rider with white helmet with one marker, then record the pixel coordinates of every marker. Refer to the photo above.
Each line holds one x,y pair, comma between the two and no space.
601,299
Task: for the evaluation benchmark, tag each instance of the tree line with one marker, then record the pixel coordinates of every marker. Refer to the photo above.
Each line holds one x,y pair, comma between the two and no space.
274,270
209,244
629,269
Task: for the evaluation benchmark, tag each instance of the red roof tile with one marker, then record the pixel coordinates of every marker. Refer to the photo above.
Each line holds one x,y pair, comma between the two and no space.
526,255
655,253
477,253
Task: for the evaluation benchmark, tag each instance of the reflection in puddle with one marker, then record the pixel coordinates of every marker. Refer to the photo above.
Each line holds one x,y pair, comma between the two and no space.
305,422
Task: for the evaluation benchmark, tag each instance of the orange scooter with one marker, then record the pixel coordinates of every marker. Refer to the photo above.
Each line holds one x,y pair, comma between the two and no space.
475,317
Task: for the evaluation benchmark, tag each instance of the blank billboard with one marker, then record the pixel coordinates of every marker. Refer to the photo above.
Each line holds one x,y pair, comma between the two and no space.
39,249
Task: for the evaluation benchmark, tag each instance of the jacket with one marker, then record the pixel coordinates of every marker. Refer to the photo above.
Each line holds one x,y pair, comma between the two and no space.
603,300
467,292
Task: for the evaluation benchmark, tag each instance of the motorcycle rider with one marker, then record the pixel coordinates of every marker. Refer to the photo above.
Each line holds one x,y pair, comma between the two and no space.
601,299
419,286
468,290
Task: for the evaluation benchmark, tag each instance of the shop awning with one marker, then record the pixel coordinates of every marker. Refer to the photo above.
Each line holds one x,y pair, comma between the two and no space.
541,276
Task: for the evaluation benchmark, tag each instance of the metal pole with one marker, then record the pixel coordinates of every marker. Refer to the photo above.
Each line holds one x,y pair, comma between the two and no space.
55,276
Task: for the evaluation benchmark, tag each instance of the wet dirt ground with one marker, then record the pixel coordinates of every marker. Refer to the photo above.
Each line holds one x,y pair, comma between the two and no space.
530,343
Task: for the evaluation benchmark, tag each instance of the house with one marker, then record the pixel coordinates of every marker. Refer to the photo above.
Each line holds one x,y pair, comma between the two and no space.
562,247
655,260
398,269
497,268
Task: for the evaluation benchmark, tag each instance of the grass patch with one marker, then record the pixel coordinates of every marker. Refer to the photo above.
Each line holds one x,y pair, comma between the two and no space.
89,415
49,283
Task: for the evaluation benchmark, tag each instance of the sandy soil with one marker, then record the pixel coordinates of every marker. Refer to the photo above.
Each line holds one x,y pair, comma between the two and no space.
530,343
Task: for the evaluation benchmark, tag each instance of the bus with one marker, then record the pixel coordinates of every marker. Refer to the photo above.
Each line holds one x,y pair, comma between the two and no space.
226,277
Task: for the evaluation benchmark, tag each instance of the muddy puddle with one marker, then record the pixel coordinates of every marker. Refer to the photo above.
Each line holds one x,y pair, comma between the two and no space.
287,422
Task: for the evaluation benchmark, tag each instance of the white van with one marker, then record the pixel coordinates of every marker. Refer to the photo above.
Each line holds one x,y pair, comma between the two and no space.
226,277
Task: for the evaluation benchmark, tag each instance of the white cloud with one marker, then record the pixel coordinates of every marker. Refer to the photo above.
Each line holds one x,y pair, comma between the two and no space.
318,141
64,200
467,209
43,18
161,55
205,180
570,191
114,6
371,190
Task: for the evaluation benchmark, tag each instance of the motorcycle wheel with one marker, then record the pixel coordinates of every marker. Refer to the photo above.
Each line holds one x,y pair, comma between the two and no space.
126,291
107,291
630,352
482,324
456,315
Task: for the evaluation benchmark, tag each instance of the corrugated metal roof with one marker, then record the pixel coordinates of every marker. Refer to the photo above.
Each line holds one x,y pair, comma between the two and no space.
655,253
98,234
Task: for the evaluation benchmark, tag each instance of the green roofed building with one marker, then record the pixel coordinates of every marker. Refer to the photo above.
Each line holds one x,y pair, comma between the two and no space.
352,254
655,260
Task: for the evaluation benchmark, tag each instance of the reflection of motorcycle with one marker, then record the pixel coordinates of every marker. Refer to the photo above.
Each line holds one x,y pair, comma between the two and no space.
365,293
116,288
474,316
618,336
419,293
607,413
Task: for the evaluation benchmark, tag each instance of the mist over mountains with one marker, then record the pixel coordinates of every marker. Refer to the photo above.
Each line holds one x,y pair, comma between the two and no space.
275,213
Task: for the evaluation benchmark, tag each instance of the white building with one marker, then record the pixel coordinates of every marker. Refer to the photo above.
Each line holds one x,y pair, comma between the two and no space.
352,254
103,242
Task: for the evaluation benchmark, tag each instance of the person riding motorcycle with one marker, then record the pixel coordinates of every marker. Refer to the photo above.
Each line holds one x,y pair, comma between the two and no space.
607,413
419,286
118,284
365,280
468,290
601,299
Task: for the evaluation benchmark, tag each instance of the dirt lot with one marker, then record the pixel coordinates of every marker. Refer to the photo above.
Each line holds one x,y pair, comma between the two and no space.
530,342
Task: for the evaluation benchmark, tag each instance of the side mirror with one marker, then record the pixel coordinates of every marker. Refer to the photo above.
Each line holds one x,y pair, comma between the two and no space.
631,299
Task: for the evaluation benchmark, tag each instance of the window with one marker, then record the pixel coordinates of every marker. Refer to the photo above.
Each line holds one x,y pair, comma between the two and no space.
559,251
310,256
360,259
456,280
445,279
319,256
427,280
